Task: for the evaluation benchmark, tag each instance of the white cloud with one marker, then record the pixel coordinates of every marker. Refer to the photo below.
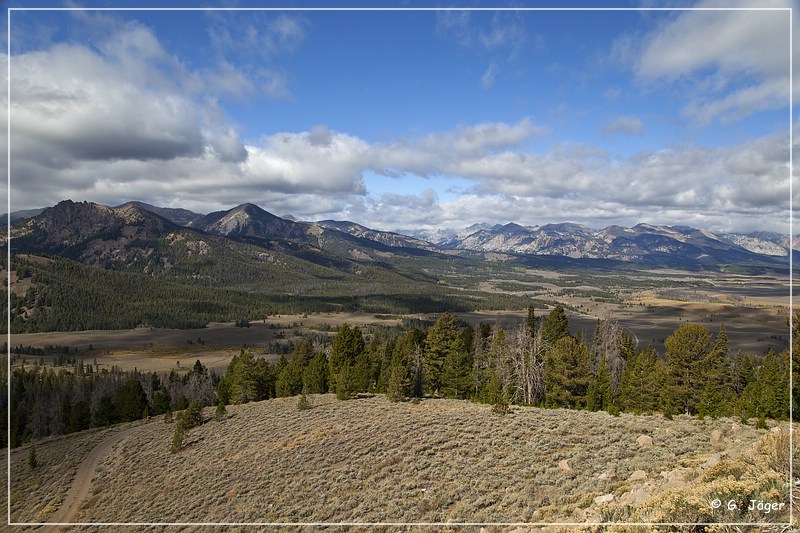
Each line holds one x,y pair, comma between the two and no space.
735,63
320,161
487,80
127,121
626,124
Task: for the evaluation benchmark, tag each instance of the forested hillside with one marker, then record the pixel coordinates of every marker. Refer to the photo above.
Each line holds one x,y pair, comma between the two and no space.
64,295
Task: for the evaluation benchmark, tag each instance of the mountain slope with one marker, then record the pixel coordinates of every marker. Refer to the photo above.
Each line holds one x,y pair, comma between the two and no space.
386,238
643,243
181,217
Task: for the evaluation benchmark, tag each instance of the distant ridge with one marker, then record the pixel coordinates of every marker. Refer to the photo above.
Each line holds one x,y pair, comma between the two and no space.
74,222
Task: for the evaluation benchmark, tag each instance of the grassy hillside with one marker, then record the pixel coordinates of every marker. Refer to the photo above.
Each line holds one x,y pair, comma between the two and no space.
369,460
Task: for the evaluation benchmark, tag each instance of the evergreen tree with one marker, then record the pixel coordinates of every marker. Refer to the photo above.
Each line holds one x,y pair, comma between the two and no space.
457,372
555,325
363,372
315,375
638,391
717,397
290,381
348,344
33,462
531,321
265,376
105,414
567,375
598,396
687,348
743,372
303,402
193,415
161,402
178,437
440,341
131,400
399,381
80,416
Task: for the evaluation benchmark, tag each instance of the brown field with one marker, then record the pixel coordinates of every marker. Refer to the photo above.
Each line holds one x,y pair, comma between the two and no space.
753,308
162,350
369,460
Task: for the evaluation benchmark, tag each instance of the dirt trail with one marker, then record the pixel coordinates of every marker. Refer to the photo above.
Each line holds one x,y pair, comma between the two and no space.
82,483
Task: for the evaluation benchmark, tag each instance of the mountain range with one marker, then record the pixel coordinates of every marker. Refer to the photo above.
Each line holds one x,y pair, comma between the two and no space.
97,234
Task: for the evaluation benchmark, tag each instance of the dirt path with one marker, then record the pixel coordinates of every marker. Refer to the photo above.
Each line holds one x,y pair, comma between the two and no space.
82,482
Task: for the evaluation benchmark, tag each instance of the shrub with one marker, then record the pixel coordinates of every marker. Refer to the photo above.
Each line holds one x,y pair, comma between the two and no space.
303,403
32,461
220,413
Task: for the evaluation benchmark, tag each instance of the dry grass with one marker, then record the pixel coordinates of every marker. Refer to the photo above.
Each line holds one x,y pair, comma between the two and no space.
36,494
369,460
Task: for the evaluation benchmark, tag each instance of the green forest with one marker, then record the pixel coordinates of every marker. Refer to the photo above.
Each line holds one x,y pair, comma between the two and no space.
65,295
538,363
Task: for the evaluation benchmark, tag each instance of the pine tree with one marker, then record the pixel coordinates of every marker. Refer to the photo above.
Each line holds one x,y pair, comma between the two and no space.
439,342
348,344
687,348
717,396
303,403
598,396
178,437
567,375
457,373
398,385
131,400
315,375
555,325
638,391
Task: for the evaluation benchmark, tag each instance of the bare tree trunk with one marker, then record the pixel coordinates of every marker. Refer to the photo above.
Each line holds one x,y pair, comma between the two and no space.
527,362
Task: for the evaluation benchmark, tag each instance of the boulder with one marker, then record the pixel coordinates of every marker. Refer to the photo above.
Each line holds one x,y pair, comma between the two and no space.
608,474
604,499
564,465
635,497
717,437
711,461
644,440
638,475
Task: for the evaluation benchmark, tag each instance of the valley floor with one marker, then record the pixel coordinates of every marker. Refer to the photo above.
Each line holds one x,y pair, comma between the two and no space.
370,460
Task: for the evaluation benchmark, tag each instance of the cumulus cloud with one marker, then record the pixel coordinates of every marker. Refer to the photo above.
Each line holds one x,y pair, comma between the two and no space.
86,120
320,161
127,121
743,69
124,99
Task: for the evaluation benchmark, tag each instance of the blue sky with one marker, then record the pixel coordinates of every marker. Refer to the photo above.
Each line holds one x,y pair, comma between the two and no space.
407,120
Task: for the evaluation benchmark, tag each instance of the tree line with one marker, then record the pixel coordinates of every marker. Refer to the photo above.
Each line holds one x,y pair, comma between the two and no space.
538,363
48,402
